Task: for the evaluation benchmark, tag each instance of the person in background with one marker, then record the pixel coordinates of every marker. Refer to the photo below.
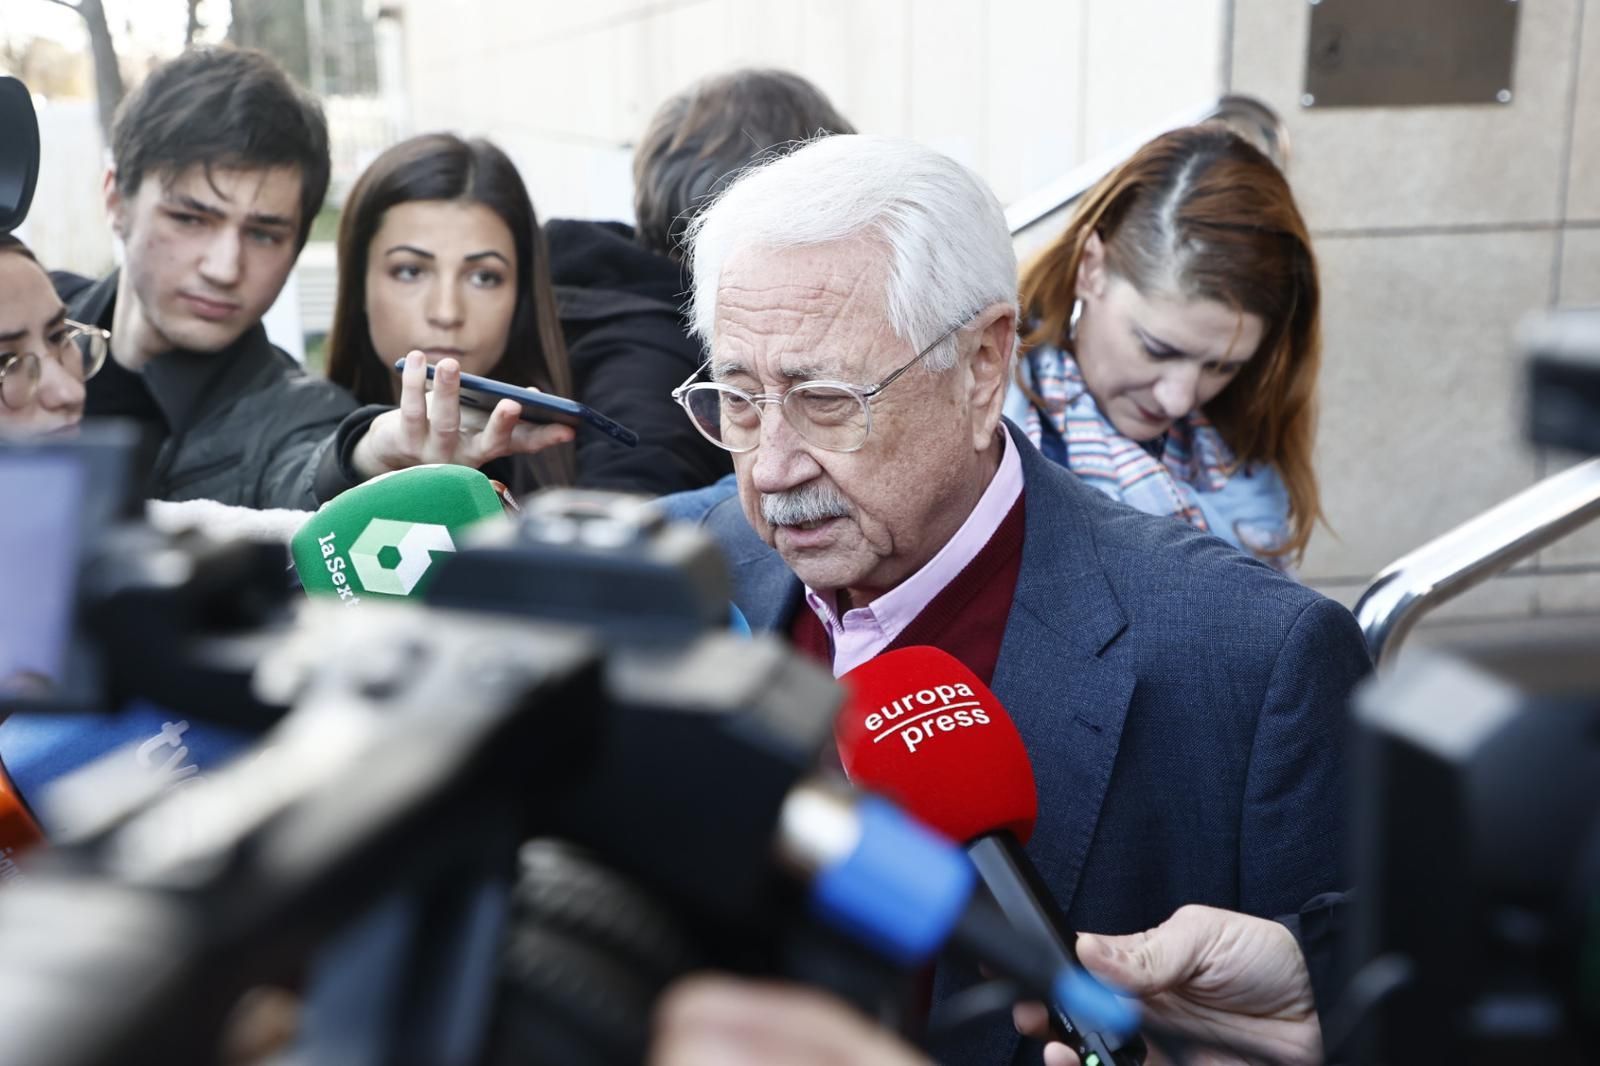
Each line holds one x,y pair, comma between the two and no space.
1172,343
45,358
441,261
219,164
621,288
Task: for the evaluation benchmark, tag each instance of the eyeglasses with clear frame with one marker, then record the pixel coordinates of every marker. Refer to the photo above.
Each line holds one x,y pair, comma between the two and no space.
80,349
835,416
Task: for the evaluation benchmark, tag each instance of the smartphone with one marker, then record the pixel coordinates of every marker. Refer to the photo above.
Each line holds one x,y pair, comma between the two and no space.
485,393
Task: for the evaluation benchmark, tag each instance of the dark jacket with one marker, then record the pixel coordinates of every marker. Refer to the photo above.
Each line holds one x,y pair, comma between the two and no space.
630,347
1183,706
1322,928
244,426
338,470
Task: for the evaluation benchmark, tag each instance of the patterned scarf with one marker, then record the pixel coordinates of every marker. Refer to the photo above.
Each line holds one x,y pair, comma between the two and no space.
1192,456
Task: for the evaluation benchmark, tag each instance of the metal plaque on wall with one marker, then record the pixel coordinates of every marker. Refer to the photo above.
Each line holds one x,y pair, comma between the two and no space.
1399,53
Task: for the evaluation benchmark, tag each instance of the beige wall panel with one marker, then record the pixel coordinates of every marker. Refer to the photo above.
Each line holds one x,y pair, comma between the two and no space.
1033,106
1421,418
966,76
1345,592
1580,267
439,48
577,87
659,54
1556,628
569,180
554,20
1357,168
859,51
1512,595
1574,593
1145,60
67,226
949,77
763,35
1583,185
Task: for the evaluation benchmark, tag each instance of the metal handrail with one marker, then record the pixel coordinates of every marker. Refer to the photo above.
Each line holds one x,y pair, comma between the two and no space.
1473,552
1253,119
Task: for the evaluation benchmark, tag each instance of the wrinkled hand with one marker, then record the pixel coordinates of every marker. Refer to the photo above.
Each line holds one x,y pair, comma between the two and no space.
724,1021
1212,974
433,427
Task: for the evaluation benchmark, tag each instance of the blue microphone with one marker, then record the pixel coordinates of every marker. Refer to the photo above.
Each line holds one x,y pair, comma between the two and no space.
41,748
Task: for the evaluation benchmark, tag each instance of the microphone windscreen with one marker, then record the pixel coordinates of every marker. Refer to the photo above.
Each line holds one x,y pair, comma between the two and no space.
41,749
18,830
920,728
378,539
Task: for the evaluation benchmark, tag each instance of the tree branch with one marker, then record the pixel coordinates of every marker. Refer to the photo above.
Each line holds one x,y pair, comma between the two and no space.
194,25
66,4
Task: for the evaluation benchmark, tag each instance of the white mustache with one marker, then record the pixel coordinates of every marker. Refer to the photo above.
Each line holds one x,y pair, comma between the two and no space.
809,503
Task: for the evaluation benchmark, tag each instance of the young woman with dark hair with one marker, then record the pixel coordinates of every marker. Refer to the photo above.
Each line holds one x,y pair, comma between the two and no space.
440,253
1171,343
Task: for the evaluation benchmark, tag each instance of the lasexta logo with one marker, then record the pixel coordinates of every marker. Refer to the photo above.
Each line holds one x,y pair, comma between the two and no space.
413,542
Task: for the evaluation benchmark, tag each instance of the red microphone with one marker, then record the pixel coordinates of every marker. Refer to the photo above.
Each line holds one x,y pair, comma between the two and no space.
920,728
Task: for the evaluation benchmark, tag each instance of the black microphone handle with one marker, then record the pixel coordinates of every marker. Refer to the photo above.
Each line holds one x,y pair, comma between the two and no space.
1028,905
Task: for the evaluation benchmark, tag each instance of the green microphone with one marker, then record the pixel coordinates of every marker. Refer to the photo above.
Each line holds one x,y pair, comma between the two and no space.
380,539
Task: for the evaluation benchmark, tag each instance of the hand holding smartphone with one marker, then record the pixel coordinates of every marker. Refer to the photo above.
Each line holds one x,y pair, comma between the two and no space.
538,407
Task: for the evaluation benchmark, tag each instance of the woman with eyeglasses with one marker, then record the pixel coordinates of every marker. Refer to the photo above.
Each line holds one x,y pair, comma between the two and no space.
44,358
1171,343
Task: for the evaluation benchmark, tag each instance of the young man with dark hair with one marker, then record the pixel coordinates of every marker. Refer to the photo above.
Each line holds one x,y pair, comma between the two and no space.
219,165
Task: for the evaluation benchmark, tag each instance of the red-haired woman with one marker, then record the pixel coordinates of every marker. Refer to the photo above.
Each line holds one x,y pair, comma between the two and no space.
1172,343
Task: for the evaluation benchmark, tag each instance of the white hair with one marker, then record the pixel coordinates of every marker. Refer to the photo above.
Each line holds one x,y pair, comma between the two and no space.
950,253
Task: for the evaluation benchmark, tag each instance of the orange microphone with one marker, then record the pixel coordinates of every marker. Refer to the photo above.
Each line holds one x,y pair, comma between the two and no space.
19,833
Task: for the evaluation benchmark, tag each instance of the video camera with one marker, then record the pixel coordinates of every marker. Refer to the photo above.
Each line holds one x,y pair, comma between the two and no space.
1478,813
370,840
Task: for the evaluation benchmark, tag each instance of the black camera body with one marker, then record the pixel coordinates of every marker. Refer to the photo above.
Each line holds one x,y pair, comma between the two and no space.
1478,821
1563,351
19,159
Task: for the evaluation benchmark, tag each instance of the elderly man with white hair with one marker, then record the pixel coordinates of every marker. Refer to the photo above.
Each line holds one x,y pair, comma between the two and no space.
1182,705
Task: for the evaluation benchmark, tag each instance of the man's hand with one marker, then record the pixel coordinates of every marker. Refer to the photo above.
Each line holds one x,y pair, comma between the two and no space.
432,427
723,1021
1212,974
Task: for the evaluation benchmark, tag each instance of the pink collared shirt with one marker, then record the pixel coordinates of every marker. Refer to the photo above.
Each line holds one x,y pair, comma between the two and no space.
864,632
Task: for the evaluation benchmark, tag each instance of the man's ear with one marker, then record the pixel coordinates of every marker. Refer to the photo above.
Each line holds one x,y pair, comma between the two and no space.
989,369
116,204
1092,276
